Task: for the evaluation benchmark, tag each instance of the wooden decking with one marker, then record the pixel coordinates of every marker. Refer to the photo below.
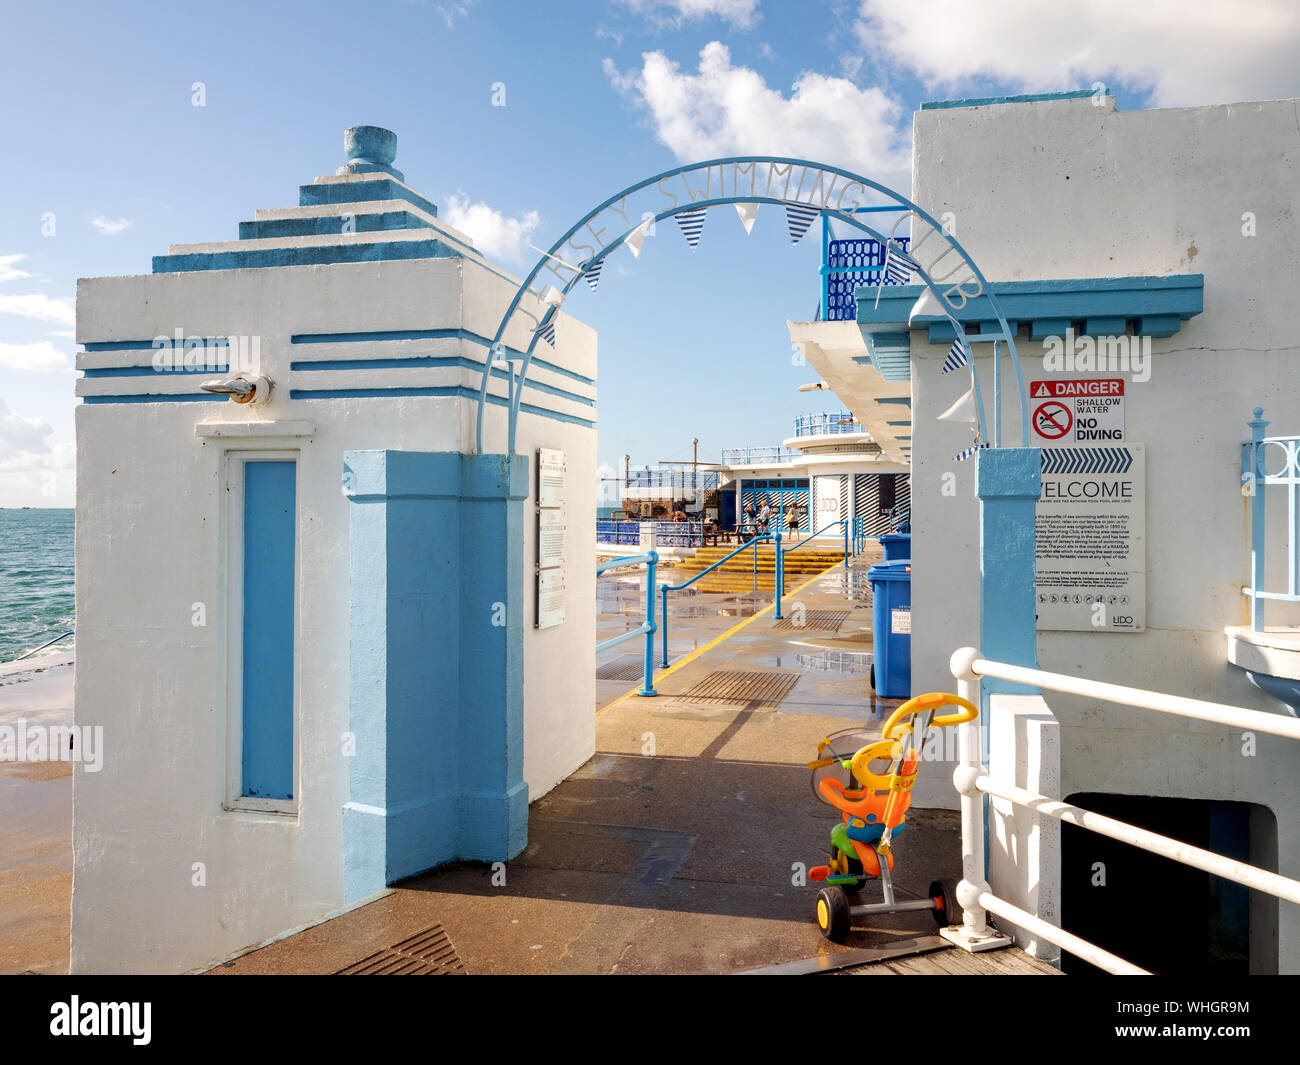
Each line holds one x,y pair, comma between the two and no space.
1010,961
921,956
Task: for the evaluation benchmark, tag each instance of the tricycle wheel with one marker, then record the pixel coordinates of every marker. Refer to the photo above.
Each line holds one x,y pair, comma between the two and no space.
833,914
944,892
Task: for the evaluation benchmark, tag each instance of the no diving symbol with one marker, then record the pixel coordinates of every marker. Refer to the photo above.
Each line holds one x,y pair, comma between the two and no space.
1052,420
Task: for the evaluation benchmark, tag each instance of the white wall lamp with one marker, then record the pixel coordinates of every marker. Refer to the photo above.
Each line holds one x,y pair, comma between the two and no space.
242,388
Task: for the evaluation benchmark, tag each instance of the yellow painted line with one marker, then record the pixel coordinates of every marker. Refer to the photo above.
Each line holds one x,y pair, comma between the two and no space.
715,641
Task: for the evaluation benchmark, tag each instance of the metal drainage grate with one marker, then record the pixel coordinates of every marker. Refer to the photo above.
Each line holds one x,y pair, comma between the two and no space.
755,691
822,620
427,953
622,667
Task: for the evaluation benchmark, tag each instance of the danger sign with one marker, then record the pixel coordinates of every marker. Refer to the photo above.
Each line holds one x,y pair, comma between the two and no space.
1078,409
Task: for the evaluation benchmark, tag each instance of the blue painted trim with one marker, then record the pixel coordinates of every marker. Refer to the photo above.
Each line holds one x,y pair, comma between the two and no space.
434,360
451,390
320,255
1008,482
1104,301
270,534
338,192
905,401
436,648
146,345
146,397
992,101
429,334
326,225
149,371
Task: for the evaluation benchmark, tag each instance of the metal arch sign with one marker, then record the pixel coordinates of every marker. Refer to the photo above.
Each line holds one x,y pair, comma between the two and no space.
777,180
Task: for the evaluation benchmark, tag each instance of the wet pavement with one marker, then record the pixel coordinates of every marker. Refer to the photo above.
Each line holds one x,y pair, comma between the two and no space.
36,820
677,847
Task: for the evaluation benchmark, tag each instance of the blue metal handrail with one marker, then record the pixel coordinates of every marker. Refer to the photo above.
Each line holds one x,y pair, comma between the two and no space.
900,514
42,647
779,573
1254,479
647,628
835,524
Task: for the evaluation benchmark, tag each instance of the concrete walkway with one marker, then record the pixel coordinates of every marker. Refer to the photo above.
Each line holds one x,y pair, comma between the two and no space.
673,849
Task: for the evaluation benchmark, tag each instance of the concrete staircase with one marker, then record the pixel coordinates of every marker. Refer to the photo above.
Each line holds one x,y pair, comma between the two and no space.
737,574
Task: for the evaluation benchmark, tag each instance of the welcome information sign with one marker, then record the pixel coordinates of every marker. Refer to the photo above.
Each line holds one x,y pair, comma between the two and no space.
1091,530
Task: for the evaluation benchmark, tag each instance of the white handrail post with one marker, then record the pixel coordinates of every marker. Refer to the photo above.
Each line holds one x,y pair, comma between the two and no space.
974,933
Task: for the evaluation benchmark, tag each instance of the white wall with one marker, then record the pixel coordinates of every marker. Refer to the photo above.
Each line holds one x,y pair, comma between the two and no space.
1064,190
148,514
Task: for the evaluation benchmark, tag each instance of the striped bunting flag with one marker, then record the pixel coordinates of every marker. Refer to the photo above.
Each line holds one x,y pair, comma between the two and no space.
692,223
748,212
798,218
957,356
592,272
962,456
898,267
547,333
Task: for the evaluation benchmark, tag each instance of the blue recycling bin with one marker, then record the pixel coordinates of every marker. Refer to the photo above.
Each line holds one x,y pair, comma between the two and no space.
896,545
891,628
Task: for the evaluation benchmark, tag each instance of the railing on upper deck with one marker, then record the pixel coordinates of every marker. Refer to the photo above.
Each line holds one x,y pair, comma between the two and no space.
973,782
680,482
759,456
846,264
827,423
1281,455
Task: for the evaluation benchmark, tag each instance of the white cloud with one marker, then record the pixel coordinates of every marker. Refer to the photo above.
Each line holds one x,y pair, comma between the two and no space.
451,12
1211,51
41,307
21,436
765,51
111,228
494,234
740,13
38,357
43,478
10,272
730,110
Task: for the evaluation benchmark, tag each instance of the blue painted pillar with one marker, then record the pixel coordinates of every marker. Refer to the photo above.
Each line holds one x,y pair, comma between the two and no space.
1008,482
436,649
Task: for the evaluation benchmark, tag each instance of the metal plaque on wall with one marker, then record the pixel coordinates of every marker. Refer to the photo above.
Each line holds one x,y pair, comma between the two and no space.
551,476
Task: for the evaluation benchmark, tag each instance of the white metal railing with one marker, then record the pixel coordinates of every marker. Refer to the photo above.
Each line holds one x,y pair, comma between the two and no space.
973,782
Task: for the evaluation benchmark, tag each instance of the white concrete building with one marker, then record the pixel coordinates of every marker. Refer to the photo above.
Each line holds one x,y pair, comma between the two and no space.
296,617
1095,223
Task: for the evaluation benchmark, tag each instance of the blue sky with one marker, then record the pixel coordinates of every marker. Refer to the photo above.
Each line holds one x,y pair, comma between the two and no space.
101,131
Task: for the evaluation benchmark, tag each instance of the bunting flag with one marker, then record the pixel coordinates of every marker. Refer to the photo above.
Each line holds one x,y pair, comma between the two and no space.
898,267
637,237
692,224
748,212
547,333
957,356
962,456
592,272
961,411
798,218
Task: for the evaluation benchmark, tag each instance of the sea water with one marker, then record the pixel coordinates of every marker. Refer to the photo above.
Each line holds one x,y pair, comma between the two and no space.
36,591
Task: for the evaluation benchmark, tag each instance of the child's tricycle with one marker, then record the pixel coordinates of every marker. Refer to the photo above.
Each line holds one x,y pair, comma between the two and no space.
873,813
